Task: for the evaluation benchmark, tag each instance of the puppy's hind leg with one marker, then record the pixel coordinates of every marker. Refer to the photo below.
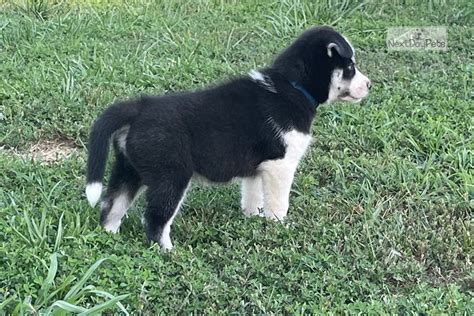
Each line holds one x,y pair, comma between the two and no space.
165,194
124,186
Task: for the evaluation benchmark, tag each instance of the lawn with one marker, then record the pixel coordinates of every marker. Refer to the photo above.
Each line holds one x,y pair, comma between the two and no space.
380,212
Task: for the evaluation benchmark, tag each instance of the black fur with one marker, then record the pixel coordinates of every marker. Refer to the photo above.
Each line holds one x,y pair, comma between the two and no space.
219,133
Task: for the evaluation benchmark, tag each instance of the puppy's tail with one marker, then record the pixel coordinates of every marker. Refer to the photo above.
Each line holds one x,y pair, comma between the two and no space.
113,118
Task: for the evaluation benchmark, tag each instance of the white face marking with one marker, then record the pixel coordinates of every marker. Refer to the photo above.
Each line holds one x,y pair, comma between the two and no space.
352,90
277,175
335,85
358,87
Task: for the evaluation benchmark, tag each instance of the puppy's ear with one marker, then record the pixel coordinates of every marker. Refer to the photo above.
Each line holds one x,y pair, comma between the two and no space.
343,50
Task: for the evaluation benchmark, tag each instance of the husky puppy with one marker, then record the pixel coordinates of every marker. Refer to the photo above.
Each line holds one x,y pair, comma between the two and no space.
255,128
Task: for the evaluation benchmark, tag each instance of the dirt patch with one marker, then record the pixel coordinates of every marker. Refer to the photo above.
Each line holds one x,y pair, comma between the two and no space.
52,150
48,151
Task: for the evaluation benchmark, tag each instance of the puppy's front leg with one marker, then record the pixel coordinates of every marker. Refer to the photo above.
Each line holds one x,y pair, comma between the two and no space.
277,175
252,195
277,180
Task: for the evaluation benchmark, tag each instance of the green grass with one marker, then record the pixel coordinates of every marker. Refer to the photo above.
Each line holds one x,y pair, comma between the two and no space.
381,209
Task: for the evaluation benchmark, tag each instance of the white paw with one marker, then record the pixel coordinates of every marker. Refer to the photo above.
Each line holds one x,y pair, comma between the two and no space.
113,227
275,216
253,211
166,244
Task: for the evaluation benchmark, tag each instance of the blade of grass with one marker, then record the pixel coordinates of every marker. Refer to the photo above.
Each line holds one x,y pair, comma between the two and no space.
6,302
59,234
120,305
30,229
106,305
67,307
48,282
76,288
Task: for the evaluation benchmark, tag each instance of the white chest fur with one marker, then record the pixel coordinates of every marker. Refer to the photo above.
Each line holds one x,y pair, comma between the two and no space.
270,189
296,145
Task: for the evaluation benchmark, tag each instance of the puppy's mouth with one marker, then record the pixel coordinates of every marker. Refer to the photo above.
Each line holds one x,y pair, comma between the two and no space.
346,96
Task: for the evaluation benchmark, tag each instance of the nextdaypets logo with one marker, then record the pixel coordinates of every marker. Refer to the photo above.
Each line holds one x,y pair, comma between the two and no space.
417,38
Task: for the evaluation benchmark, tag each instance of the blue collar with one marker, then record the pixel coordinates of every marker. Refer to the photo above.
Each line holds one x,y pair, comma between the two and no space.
308,95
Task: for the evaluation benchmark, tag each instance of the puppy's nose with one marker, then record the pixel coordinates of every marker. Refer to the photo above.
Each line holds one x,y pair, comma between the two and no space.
369,84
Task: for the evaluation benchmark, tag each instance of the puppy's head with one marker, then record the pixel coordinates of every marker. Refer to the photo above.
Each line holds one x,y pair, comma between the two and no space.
323,61
347,82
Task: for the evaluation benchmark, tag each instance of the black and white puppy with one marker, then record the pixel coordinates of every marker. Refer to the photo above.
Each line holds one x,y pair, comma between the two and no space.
255,128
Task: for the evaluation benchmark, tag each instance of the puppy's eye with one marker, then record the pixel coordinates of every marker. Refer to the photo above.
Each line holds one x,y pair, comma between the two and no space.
350,67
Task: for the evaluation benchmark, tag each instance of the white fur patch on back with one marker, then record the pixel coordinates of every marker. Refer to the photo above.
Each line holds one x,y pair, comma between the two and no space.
263,80
256,75
93,192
